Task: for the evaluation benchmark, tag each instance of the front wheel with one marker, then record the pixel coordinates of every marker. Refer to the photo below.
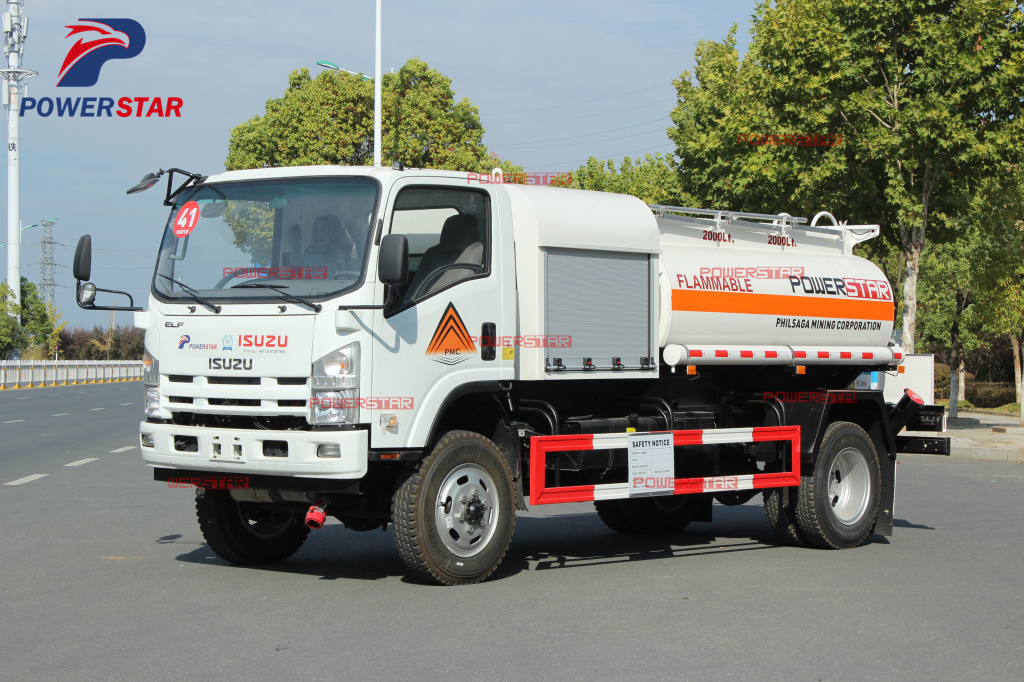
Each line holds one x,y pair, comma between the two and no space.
838,501
453,518
245,533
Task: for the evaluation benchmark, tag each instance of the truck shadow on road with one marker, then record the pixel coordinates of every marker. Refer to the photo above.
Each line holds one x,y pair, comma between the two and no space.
540,543
581,540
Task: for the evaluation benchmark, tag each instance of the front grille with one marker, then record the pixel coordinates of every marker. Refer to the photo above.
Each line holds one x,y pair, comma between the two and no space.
238,402
234,381
247,397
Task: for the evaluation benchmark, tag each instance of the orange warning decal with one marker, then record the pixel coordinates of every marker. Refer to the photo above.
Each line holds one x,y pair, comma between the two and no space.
451,340
774,304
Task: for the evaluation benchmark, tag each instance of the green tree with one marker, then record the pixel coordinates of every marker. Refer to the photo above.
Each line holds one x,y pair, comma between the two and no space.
924,94
329,120
653,179
952,286
1002,206
56,327
35,317
13,338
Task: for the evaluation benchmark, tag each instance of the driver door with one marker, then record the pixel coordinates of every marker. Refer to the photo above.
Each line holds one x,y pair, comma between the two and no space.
428,348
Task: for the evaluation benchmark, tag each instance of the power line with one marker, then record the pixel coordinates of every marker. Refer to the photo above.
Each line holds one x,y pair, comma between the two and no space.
576,144
572,104
576,137
574,118
635,151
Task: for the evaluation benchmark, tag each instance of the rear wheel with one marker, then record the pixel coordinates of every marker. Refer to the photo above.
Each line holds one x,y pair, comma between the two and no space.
245,533
453,518
610,513
782,516
838,501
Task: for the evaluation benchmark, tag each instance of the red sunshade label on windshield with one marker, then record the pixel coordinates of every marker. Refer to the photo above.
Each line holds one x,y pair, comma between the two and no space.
185,220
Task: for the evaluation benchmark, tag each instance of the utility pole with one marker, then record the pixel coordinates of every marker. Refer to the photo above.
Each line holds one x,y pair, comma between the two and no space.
15,26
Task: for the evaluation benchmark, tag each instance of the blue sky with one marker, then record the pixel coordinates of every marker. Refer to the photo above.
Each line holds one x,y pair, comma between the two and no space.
538,71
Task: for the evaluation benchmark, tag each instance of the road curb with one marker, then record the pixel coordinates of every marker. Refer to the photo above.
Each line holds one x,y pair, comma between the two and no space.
997,454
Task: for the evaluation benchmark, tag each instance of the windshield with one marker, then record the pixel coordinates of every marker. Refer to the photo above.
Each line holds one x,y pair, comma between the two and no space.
264,239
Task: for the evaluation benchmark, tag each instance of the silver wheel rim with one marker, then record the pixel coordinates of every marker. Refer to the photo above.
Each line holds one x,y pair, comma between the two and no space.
849,486
466,510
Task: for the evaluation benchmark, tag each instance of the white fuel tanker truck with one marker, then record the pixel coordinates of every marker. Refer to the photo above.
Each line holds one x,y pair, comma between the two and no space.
426,350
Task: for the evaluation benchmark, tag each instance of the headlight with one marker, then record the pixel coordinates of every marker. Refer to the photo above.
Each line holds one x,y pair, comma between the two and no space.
335,398
335,407
339,369
151,382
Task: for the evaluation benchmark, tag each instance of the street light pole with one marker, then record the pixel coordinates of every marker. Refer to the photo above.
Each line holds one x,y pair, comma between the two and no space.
376,91
376,97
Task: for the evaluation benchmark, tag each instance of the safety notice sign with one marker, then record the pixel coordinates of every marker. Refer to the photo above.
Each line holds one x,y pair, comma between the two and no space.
651,464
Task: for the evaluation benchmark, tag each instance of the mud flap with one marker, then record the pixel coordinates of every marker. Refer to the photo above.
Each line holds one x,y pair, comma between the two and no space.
886,495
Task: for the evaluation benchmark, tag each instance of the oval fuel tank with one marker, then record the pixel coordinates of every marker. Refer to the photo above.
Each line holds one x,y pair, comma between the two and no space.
747,283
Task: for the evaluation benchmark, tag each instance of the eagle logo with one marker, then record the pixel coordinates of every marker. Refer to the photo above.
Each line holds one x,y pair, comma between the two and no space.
98,40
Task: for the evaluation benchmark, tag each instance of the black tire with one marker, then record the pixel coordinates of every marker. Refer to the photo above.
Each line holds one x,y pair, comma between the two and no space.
610,513
245,533
782,518
658,515
838,500
433,540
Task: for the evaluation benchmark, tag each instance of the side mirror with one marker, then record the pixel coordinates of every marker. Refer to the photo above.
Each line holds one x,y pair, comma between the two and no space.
393,262
147,181
83,259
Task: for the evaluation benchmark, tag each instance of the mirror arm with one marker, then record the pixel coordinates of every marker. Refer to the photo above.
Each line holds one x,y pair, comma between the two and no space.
388,295
193,178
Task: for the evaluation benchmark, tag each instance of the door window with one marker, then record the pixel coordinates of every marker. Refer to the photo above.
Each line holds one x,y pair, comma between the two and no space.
449,238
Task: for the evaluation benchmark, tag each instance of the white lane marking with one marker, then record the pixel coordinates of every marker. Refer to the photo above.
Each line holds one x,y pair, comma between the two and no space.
62,414
27,479
124,449
93,409
127,403
13,421
82,461
25,398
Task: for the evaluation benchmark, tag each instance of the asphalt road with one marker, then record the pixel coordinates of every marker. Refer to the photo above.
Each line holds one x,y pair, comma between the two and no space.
105,576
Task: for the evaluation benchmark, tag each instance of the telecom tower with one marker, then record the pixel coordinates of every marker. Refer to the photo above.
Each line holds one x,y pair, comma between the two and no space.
15,26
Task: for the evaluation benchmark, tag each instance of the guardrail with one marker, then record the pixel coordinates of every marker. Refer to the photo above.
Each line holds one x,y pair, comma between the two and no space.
33,373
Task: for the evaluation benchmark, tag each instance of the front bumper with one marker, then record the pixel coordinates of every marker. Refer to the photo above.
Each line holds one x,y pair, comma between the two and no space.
240,451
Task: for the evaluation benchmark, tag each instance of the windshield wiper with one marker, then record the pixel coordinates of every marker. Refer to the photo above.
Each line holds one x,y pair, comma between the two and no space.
194,294
279,288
